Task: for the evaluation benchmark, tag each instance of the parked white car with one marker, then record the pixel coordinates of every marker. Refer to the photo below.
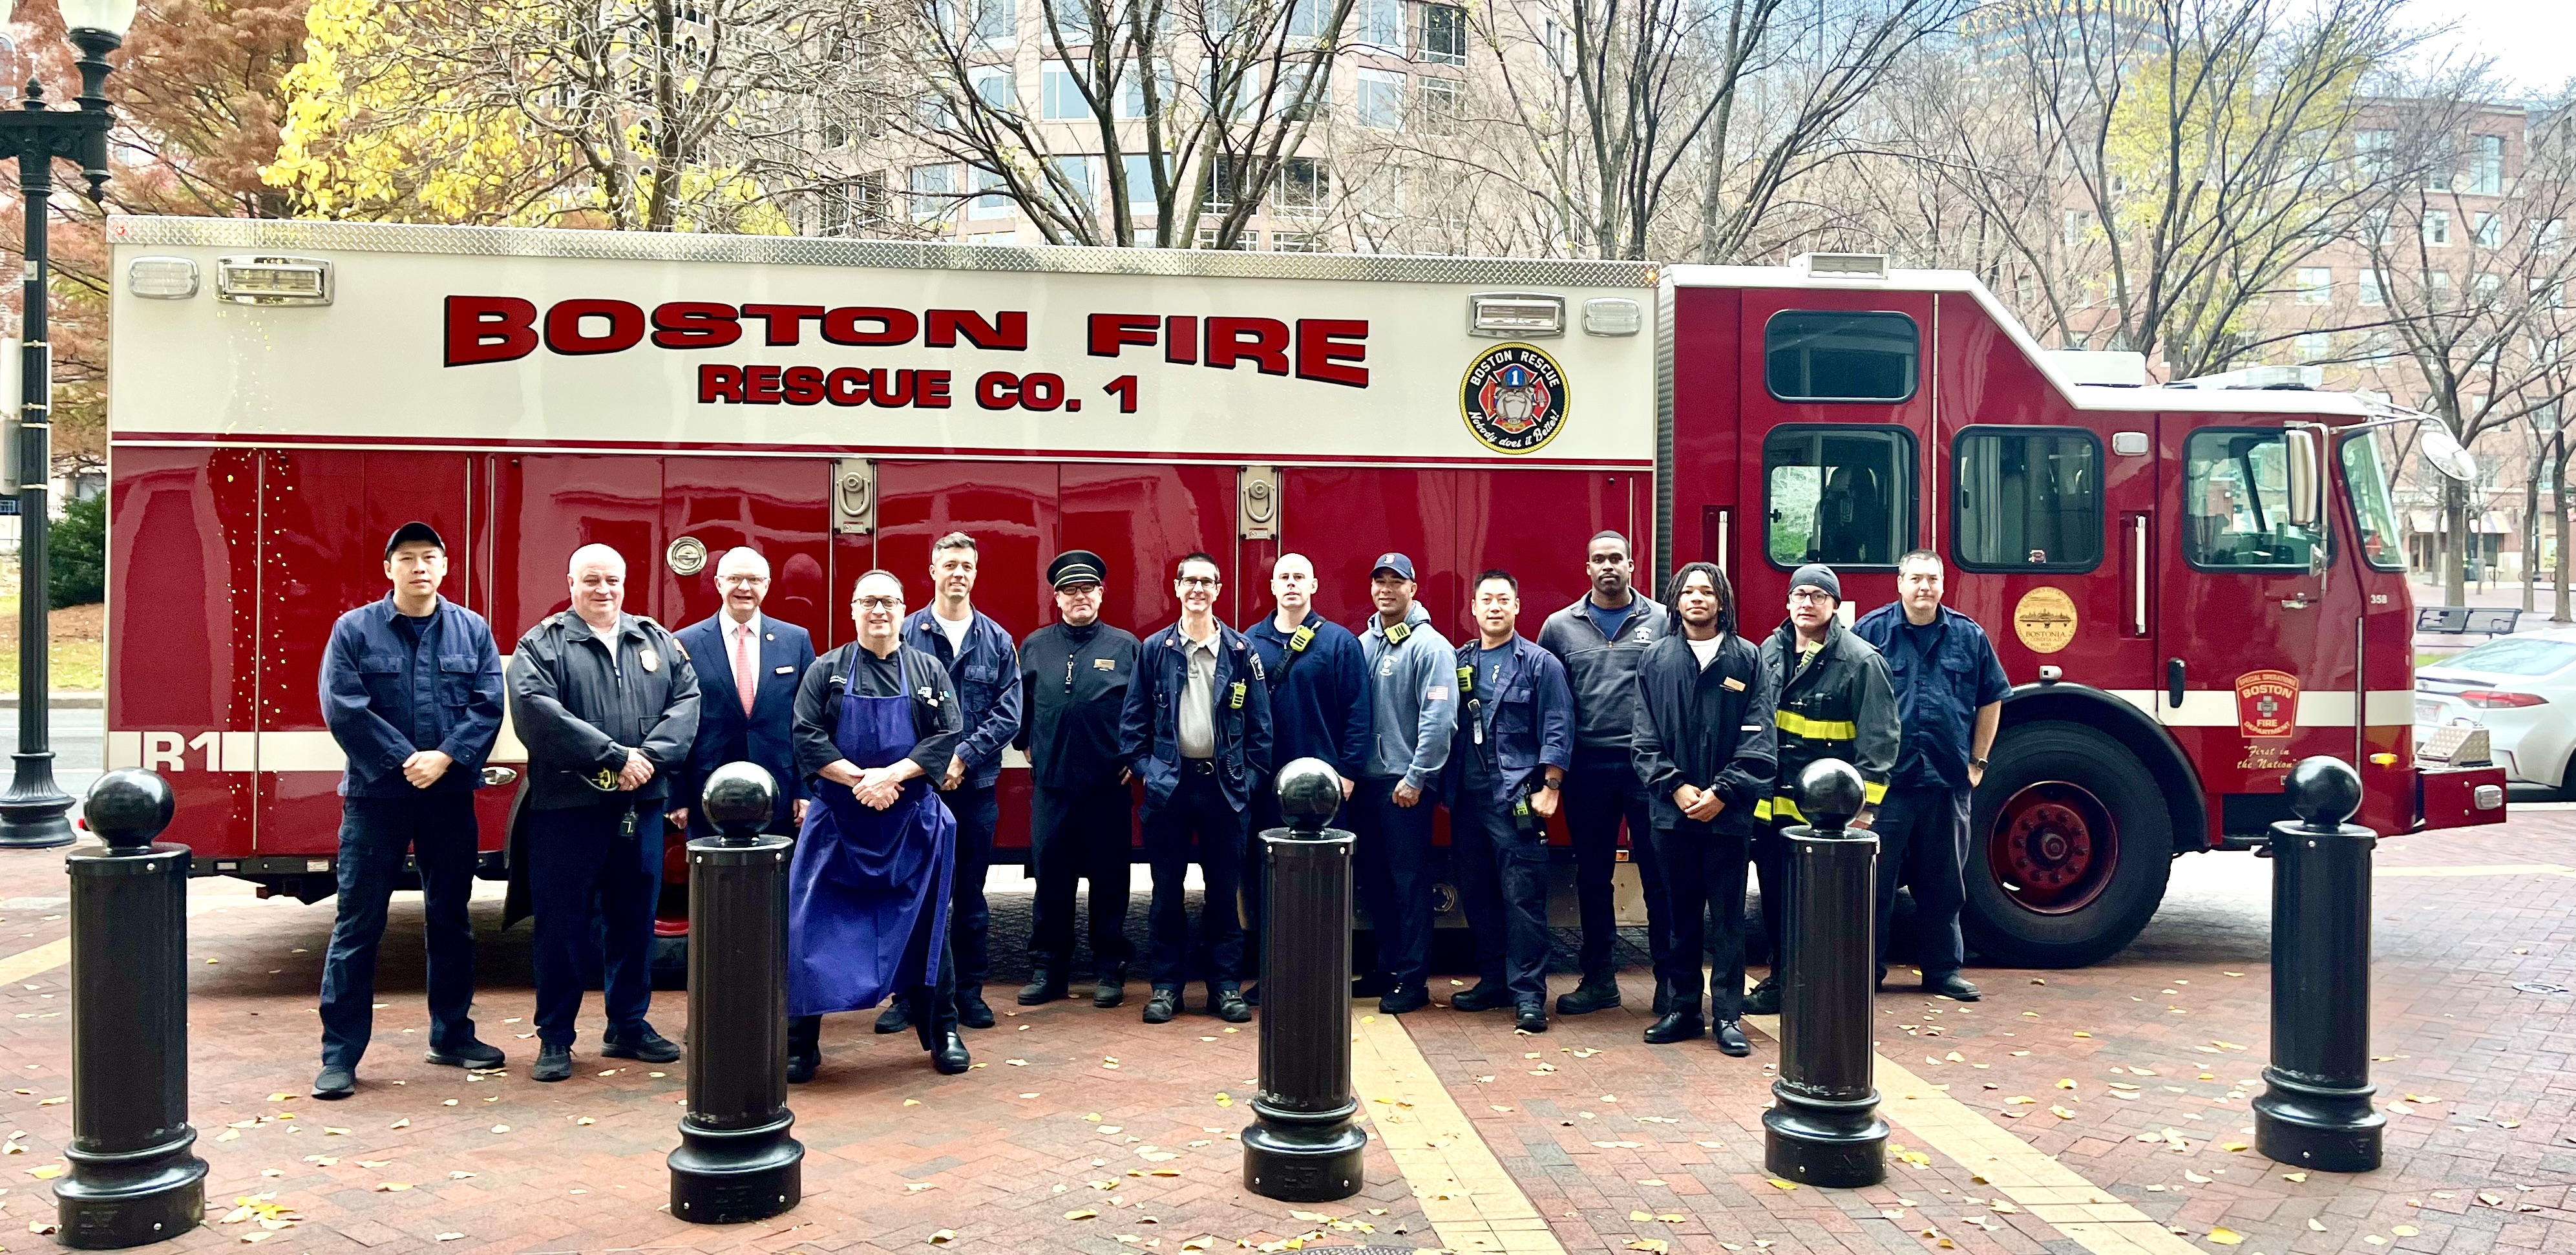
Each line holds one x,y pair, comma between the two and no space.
2522,690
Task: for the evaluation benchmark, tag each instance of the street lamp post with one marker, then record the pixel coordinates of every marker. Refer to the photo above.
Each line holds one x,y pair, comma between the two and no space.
35,810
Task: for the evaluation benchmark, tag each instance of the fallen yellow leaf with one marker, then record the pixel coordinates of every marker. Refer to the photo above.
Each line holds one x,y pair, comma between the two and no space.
943,1237
1081,1213
2226,1237
1786,1185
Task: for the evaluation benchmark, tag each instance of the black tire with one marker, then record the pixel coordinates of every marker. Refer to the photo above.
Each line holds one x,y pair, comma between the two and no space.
2059,778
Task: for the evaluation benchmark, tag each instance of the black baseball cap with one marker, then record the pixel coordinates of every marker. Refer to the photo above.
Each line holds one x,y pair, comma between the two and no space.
414,530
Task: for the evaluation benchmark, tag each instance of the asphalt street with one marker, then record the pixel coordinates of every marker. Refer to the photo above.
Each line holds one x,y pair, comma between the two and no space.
78,741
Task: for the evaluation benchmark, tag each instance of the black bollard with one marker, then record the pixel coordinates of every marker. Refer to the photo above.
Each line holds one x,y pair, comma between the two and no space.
135,1177
1823,1127
1304,1144
736,1162
2315,1109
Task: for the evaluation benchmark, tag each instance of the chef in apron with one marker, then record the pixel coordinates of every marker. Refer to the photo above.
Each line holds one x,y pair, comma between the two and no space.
867,895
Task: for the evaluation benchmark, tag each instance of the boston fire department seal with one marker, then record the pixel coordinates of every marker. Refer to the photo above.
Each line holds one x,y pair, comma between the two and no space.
1514,398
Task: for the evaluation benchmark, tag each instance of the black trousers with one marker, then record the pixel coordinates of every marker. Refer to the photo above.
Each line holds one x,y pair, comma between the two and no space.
1074,835
1196,822
579,858
438,830
1704,896
1601,793
1260,817
1771,862
1502,883
978,811
805,1032
1923,840
1392,857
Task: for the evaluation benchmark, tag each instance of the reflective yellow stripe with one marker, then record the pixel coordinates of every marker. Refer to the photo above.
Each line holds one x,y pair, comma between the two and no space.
1781,807
1874,791
1796,724
1761,810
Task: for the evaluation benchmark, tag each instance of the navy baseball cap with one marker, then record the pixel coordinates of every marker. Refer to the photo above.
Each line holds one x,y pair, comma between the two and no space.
410,532
1395,562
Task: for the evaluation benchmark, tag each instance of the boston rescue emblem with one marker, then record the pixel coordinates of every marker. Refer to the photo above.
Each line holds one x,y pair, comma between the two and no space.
1514,398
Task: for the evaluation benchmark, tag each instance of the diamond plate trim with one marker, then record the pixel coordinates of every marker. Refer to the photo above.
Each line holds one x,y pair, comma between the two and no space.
390,237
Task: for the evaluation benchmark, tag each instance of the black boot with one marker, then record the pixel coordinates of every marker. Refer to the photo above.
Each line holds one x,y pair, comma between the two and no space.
950,1056
1765,998
1530,1016
1487,995
1043,987
1110,989
896,1017
1597,993
972,1011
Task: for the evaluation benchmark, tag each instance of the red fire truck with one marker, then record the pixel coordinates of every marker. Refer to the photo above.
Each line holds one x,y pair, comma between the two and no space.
2191,586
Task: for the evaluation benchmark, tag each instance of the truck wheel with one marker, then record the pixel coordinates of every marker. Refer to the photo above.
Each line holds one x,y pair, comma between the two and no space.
2068,848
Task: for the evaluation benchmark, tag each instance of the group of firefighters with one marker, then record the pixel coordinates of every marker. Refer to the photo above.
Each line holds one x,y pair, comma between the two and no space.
1659,717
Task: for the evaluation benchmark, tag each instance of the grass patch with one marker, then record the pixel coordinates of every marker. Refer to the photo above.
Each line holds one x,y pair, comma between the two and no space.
78,656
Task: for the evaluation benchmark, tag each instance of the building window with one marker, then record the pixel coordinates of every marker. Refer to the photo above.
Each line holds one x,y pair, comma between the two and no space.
2028,499
2486,165
934,192
2373,291
1381,100
1060,95
2236,503
996,21
2546,237
1442,105
2313,346
2488,230
1071,19
2316,285
1140,181
995,86
1075,175
1823,356
1307,18
2370,151
2485,286
2437,288
2378,347
996,206
1245,242
1296,242
1305,187
1444,34
1380,22
1841,495
2437,227
2547,293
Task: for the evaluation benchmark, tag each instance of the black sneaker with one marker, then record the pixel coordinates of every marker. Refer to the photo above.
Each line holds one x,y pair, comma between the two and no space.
473,1055
554,1063
1406,997
972,1011
1230,1006
1252,994
1043,988
1596,993
1953,986
643,1045
335,1083
1765,998
800,1068
1165,1004
1488,995
1530,1017
1109,990
895,1018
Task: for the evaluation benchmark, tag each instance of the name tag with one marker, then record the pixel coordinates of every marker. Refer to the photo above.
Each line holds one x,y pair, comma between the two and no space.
1732,684
787,671
1104,664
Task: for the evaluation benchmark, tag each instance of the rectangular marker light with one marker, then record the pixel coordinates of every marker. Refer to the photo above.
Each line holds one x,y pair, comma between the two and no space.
265,280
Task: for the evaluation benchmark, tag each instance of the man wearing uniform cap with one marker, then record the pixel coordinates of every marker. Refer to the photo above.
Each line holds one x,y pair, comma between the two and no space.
411,690
607,703
1412,676
1074,674
1835,702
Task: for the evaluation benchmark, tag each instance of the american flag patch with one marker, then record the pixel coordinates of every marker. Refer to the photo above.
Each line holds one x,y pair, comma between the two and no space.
1437,693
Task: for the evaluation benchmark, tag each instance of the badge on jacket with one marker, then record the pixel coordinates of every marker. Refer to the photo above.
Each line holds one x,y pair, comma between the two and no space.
652,661
1104,664
1732,684
1236,702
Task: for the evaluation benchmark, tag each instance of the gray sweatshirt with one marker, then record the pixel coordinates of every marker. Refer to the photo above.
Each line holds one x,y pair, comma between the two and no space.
1413,692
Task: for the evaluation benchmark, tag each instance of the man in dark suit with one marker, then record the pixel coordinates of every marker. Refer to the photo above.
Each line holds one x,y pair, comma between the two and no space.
748,666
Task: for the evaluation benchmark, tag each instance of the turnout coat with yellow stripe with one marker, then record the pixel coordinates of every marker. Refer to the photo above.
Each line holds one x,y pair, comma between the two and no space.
1839,705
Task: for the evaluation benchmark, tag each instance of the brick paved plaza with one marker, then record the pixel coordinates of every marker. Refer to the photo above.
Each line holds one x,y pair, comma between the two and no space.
2099,1110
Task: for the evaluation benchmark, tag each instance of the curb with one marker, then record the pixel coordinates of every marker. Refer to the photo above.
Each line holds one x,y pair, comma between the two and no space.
64,699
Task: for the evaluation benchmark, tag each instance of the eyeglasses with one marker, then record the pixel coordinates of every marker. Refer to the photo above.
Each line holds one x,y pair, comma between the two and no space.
1809,596
743,580
879,603
1196,581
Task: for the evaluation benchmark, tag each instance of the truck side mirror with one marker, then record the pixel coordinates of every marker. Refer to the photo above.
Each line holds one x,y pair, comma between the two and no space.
2302,449
2444,451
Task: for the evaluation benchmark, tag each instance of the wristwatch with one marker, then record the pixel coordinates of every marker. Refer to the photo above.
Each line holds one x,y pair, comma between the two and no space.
1978,763
1550,785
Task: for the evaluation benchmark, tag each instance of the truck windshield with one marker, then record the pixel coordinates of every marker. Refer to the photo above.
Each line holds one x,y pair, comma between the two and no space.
2373,515
2236,499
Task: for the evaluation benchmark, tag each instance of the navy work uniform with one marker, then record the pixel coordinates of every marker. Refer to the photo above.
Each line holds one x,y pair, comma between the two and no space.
580,698
1319,708
1515,720
1196,729
1600,646
392,686
985,668
747,675
1082,823
1942,671
1704,719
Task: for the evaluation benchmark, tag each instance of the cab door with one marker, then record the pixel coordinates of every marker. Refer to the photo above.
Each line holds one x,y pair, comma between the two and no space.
1837,433
2240,624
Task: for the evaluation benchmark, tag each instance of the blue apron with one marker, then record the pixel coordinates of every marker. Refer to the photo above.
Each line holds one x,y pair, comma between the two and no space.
861,877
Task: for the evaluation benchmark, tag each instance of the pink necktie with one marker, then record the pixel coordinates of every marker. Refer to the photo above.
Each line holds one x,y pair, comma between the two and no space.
743,680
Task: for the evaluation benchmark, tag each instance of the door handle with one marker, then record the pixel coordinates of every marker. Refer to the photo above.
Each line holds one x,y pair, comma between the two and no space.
2175,674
